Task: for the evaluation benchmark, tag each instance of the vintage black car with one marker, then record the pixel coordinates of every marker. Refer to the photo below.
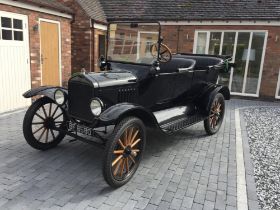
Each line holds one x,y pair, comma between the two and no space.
142,84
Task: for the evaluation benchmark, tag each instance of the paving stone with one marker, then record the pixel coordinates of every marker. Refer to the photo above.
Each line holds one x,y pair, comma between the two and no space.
197,206
210,196
191,192
129,205
163,205
151,207
188,170
187,202
231,200
209,205
168,196
176,203
142,203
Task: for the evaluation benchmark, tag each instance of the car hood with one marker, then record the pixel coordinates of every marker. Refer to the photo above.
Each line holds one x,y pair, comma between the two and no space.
107,79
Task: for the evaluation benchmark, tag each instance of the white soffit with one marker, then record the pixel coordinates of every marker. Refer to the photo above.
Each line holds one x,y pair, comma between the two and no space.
35,8
222,23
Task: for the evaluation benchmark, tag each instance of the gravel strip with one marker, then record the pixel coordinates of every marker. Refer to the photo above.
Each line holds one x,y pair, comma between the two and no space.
263,127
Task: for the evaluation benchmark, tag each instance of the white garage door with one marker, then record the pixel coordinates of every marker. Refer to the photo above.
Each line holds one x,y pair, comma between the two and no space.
14,61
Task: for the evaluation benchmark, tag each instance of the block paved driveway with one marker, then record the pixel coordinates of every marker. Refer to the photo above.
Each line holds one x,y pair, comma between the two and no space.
188,170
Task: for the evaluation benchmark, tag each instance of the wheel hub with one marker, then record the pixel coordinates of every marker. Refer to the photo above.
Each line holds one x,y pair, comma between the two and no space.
49,122
127,151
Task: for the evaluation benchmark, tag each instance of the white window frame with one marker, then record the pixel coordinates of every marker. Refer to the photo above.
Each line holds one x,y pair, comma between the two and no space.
278,87
234,54
59,48
139,40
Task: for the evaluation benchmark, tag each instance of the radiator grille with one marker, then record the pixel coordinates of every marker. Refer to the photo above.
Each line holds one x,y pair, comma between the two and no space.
80,96
126,95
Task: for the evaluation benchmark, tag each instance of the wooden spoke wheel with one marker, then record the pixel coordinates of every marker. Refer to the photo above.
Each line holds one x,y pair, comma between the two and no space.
124,151
165,54
39,121
213,123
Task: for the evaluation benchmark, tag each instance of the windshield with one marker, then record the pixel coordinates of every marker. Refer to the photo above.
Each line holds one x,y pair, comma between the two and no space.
132,42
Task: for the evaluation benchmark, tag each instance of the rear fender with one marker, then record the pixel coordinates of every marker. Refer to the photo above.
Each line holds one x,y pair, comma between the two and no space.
205,101
47,91
116,113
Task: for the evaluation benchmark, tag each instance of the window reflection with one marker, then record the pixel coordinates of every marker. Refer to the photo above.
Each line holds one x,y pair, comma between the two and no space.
215,43
255,59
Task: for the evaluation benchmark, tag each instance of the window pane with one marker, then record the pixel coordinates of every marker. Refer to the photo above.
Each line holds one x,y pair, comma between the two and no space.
215,43
201,43
228,47
101,45
240,61
18,35
17,24
6,34
255,59
228,43
6,22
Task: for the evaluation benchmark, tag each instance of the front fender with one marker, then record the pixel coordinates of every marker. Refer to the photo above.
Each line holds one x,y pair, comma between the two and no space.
47,91
119,111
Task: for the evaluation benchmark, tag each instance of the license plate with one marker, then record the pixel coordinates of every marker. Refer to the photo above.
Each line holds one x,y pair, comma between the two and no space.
75,127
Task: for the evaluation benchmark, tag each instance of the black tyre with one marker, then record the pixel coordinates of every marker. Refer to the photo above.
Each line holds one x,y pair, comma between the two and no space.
124,151
216,116
41,116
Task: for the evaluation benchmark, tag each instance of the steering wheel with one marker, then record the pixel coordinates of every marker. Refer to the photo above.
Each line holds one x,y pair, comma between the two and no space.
164,54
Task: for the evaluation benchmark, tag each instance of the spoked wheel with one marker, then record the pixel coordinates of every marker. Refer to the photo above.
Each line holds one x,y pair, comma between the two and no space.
124,151
40,119
213,123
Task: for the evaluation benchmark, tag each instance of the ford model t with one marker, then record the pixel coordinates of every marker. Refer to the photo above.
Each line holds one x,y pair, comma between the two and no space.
142,84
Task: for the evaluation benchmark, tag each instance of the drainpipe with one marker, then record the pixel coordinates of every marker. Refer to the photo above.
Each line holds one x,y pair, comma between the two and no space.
178,38
92,41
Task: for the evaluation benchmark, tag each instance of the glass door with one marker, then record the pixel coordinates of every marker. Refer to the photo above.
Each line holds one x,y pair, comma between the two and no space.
228,47
241,63
255,63
247,49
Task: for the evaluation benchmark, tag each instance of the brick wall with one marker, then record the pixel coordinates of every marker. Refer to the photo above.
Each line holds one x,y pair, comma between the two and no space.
82,36
181,39
34,42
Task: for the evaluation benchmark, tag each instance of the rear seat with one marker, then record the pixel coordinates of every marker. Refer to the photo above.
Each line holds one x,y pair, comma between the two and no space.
175,64
202,62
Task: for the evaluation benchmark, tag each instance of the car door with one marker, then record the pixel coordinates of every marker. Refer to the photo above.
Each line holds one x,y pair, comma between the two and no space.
182,83
156,90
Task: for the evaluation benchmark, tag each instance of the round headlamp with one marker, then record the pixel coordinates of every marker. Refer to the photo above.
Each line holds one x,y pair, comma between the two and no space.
96,106
59,97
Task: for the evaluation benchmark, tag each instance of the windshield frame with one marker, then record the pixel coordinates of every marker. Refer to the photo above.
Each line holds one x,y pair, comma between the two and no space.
132,22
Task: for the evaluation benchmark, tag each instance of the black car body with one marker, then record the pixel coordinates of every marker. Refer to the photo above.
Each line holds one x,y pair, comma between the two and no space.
142,85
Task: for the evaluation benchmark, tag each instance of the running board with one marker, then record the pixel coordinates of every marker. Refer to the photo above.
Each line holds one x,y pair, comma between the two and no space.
177,118
182,123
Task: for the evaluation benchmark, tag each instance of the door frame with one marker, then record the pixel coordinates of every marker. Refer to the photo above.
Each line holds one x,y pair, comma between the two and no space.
278,87
59,48
235,46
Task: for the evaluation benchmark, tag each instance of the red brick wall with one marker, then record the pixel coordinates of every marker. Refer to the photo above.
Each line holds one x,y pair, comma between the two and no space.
34,42
181,39
82,46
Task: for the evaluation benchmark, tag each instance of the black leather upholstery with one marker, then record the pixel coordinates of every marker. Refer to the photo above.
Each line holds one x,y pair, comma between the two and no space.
202,62
174,64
